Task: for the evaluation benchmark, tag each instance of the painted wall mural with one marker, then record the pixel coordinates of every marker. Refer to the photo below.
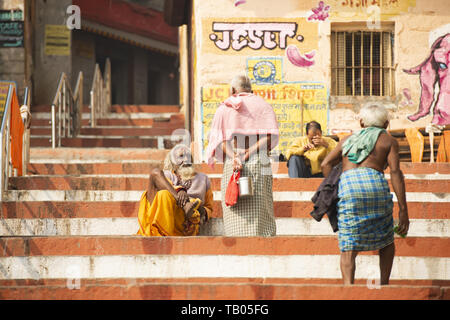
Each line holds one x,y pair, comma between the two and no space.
297,59
434,70
285,99
407,94
266,70
248,36
320,13
364,9
268,45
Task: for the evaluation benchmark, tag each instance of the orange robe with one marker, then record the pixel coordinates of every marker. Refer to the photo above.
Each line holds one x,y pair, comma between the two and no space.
163,217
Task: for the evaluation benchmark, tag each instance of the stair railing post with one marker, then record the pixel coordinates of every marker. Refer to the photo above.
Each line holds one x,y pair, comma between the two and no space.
26,135
107,86
64,97
92,109
59,118
53,126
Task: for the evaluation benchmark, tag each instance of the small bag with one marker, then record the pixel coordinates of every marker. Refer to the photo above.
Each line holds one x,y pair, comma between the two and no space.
232,193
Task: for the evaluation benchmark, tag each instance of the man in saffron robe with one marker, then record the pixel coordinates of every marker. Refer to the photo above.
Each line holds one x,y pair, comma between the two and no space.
243,132
178,199
365,206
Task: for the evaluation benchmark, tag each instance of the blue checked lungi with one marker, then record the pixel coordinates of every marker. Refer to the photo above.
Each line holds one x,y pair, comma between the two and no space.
365,205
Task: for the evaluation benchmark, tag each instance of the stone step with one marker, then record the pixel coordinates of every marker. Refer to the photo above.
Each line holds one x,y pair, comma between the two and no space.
160,142
77,167
138,289
428,183
134,195
120,209
117,161
48,108
81,157
148,122
145,108
120,108
113,131
166,116
100,226
302,281
210,257
66,246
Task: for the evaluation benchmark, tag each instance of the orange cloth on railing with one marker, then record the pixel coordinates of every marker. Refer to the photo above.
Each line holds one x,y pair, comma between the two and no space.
342,135
443,154
416,143
17,129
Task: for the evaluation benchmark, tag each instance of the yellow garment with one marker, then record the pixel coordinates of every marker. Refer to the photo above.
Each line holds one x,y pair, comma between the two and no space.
315,155
163,217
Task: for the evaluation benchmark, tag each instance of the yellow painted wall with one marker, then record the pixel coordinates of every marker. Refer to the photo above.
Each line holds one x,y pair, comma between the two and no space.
414,22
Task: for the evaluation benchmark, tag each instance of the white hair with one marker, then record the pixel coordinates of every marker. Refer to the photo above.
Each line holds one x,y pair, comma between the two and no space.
241,83
169,161
374,115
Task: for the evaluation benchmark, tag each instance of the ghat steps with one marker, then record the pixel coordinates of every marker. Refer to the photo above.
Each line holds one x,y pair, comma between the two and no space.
67,231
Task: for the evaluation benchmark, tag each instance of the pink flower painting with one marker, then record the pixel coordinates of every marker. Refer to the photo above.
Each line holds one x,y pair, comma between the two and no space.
320,13
297,59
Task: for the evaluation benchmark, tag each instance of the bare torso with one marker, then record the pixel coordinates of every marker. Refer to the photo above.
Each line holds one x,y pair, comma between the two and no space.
377,159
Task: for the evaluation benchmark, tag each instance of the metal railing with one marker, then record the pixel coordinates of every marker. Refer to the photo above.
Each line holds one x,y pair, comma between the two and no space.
67,108
100,93
26,135
5,142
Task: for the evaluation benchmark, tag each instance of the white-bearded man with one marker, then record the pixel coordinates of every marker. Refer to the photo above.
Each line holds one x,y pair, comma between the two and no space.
178,199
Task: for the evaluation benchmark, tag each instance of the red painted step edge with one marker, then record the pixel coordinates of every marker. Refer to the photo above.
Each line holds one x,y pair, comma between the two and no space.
122,183
218,291
137,245
105,209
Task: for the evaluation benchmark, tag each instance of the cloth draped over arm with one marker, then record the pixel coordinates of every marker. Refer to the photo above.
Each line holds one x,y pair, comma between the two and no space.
359,145
243,113
326,198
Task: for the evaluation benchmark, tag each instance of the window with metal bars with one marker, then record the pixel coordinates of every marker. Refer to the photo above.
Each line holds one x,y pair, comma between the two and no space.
362,63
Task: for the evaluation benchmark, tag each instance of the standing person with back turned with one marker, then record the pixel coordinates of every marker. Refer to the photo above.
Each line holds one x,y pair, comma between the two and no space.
365,206
244,130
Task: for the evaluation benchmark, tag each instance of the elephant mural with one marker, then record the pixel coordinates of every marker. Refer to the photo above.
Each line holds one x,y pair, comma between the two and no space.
434,70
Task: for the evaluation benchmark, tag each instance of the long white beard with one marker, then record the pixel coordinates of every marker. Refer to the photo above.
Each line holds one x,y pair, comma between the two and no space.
186,172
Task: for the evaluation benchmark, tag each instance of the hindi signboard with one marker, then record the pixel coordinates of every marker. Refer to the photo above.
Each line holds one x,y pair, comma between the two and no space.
4,88
11,28
261,35
57,40
287,99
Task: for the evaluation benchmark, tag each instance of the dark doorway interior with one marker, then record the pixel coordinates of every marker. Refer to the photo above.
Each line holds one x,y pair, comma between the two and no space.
163,84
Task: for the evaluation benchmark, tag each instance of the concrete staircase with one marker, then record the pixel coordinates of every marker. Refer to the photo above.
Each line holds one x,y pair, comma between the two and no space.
68,231
143,126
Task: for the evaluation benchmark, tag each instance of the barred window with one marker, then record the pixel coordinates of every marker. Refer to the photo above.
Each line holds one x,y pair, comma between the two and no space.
362,63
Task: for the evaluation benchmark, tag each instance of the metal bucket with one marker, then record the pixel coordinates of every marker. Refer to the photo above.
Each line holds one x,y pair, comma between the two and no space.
245,187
